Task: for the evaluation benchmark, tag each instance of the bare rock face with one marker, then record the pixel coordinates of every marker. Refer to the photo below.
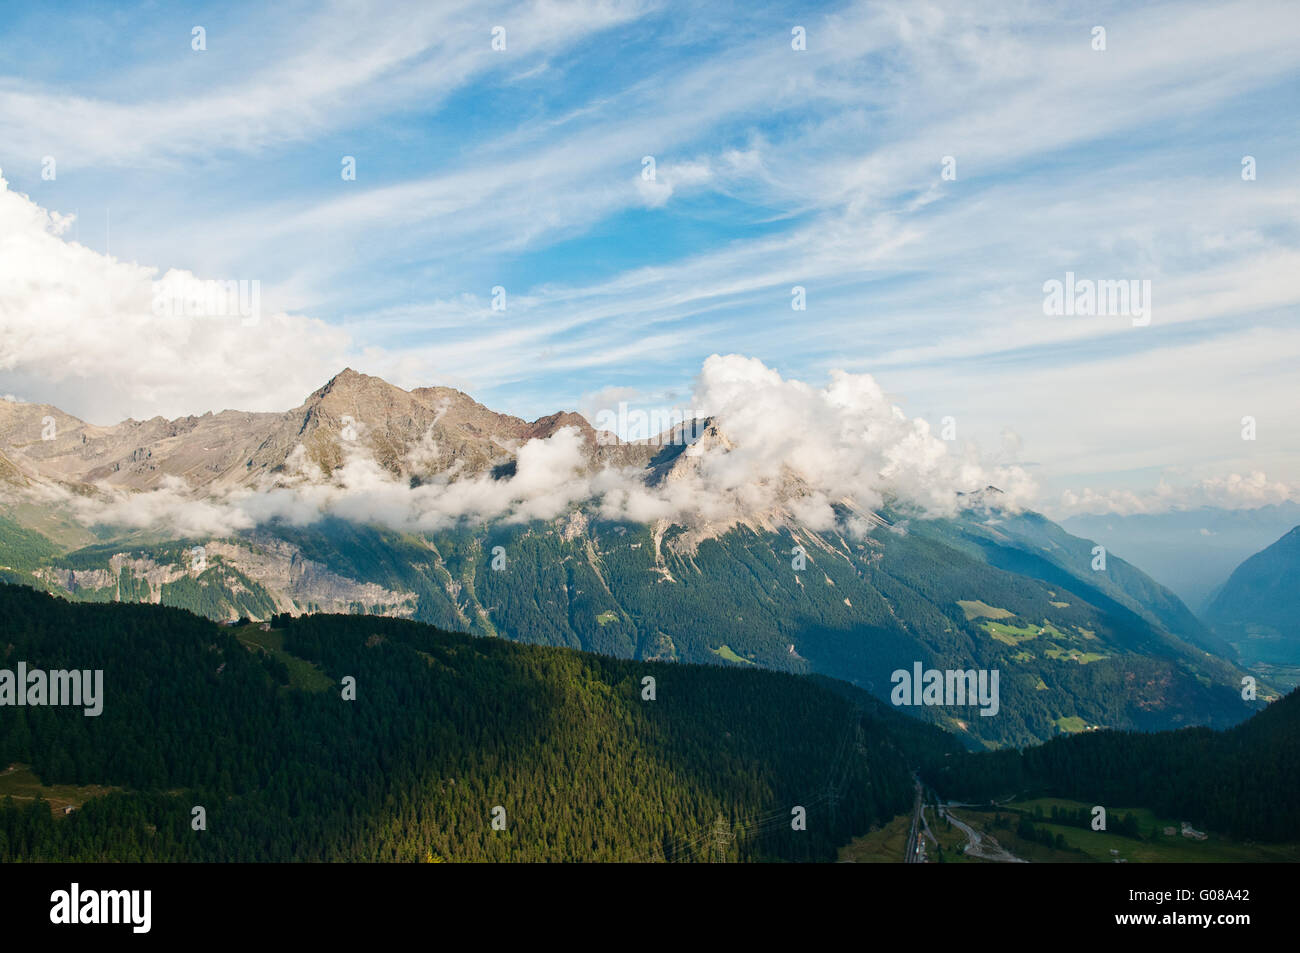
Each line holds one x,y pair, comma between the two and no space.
419,434
296,582
75,580
10,474
47,444
683,447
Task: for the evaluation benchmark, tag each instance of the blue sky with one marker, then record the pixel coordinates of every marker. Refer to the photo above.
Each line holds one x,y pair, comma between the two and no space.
775,167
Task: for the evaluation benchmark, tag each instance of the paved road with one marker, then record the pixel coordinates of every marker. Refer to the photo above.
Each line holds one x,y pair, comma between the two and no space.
914,850
925,828
981,845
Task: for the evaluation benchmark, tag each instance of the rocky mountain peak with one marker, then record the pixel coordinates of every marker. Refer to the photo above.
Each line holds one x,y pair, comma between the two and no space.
416,433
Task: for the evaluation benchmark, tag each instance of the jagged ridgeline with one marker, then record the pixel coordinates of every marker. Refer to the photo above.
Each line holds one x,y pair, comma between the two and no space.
252,725
370,499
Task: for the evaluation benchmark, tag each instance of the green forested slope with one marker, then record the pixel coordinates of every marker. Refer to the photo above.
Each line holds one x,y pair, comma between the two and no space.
1072,645
1241,782
1259,605
443,729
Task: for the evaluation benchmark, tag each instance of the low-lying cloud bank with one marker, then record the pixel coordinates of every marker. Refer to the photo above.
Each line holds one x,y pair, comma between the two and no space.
777,446
1231,492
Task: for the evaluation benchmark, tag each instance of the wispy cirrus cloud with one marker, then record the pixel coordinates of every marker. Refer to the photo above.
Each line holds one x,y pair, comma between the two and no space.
820,168
250,89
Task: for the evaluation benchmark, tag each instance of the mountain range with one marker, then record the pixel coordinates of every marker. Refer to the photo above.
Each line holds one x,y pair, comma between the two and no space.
426,505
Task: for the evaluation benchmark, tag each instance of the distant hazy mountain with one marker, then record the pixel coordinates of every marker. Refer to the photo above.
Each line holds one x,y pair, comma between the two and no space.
1192,551
1259,606
880,590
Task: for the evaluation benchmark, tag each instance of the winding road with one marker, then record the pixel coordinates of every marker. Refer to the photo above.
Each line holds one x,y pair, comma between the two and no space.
980,845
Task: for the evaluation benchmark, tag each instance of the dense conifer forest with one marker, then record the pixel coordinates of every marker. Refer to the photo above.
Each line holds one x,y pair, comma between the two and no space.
447,733
444,729
1240,782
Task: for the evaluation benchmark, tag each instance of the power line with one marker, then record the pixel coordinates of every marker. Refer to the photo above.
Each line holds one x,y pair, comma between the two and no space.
722,837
